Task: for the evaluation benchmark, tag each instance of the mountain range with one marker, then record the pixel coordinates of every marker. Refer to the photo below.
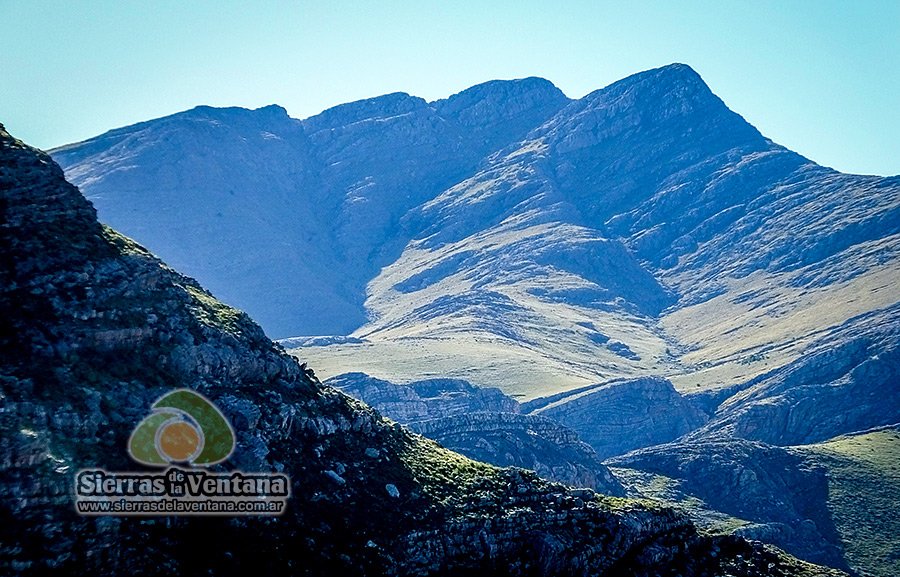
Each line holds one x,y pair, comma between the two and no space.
660,292
94,328
644,229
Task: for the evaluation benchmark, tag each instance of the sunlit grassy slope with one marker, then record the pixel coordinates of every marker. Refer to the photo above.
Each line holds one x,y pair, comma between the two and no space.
760,323
863,492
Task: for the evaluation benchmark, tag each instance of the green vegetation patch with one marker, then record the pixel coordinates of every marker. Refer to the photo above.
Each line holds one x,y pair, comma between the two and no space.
667,492
123,244
442,472
213,312
863,495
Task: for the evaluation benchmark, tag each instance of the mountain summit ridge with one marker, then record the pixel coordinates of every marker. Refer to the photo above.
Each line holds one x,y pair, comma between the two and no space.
605,258
96,328
427,152
617,235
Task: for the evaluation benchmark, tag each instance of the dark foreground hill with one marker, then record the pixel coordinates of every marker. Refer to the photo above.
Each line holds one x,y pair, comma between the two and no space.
94,328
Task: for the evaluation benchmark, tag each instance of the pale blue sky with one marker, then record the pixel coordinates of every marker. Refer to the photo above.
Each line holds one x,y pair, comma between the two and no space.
821,77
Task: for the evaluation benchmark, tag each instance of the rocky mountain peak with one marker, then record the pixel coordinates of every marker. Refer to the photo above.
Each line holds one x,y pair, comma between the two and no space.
379,107
270,110
107,328
273,109
675,86
628,138
657,106
268,120
490,102
674,75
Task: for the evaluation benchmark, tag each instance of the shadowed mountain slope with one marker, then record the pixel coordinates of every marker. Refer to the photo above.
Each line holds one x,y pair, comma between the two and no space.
510,236
829,502
95,328
640,266
231,195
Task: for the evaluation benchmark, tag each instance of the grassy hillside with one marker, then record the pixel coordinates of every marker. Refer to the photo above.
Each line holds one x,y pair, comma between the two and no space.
863,492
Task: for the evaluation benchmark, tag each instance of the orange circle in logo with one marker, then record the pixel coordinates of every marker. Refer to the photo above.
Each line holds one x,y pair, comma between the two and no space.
178,441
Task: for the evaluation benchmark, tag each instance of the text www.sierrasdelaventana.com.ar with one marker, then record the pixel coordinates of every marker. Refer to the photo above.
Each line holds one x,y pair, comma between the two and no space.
180,491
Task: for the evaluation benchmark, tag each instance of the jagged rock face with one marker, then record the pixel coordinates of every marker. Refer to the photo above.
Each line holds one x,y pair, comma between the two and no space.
527,441
423,400
620,417
103,328
779,498
847,381
484,424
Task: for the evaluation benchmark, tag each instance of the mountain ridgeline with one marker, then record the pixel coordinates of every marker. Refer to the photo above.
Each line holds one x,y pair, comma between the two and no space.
577,241
95,328
634,291
318,199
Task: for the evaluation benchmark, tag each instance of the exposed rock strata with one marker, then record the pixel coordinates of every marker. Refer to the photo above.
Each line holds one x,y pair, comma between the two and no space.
95,328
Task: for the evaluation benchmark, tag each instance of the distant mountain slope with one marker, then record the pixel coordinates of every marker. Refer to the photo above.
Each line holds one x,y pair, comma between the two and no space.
847,380
256,204
864,484
762,492
512,237
644,229
832,502
94,328
485,425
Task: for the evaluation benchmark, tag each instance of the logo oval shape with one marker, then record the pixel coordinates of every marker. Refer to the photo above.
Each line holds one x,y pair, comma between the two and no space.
184,426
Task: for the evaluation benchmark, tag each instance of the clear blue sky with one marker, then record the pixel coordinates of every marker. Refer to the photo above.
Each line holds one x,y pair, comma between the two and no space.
821,77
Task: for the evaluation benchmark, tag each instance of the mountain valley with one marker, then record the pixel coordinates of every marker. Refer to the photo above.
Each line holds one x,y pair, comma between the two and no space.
634,291
95,327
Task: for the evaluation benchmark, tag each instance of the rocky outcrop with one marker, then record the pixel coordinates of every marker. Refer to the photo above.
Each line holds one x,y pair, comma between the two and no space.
423,400
484,424
95,328
527,441
772,493
619,417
